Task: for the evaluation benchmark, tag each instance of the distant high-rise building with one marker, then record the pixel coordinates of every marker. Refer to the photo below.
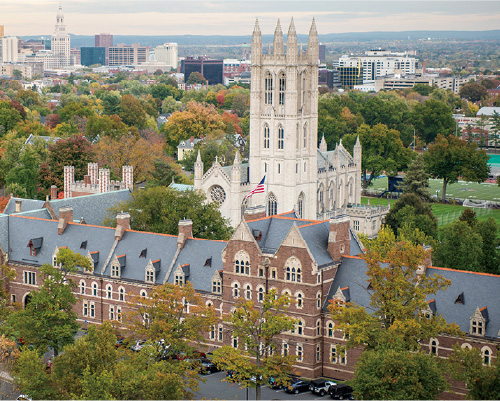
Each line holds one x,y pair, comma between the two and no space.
93,55
104,40
350,76
167,54
128,55
9,49
212,70
60,43
1,31
322,54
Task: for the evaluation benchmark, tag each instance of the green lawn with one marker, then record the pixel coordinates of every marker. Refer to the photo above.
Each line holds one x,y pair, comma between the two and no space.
460,190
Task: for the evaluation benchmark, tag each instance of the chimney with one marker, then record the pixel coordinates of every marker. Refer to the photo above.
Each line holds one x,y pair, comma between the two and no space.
53,192
254,213
339,239
19,204
122,224
65,217
427,260
185,231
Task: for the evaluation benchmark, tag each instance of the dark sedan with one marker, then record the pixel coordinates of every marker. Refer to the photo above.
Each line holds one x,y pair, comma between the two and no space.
297,387
207,366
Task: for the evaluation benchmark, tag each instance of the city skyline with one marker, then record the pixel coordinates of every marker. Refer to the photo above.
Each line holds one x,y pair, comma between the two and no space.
155,17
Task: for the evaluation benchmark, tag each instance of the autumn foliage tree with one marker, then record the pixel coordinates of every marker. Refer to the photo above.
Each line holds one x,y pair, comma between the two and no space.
258,356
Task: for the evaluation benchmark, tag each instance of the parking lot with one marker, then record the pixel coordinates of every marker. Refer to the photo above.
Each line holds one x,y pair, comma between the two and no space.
215,388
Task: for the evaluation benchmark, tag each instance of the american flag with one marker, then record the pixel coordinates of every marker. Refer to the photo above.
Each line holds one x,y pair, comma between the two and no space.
258,189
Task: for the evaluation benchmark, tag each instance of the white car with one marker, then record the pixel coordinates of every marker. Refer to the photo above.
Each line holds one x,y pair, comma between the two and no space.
321,386
138,345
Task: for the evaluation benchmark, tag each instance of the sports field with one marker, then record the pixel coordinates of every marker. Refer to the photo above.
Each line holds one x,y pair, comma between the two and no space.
460,190
444,213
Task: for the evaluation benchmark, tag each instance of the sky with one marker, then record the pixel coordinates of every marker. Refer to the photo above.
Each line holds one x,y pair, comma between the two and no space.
236,17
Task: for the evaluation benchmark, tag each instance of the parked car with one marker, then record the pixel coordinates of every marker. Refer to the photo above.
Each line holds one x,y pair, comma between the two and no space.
274,385
196,354
297,387
138,345
23,397
207,366
321,386
341,392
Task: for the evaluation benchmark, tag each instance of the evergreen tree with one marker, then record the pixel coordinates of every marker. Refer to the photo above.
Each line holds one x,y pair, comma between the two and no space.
416,179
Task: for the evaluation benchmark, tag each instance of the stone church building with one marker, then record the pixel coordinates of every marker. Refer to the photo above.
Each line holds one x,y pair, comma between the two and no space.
284,141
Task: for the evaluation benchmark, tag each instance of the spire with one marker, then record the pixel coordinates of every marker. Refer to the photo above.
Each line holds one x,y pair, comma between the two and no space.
256,43
291,42
237,158
357,141
278,45
198,158
313,43
322,144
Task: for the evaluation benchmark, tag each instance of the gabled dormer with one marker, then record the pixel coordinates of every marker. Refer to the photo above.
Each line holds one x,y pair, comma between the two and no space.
342,295
478,322
181,274
152,269
54,257
35,245
117,266
94,258
430,310
217,283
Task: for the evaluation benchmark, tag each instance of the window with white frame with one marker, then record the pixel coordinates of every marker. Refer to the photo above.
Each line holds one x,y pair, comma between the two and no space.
119,313
248,292
212,332
300,352
235,342
236,289
333,353
111,313
299,299
282,88
281,137
92,309
477,326
284,348
179,278
94,289
109,291
29,278
242,263
82,287
121,293
355,224
266,136
261,294
433,346
268,88
318,300
144,294
221,333
85,308
318,327
486,354
300,327
115,270
217,286
466,345
305,136
318,353
150,276
330,328
293,270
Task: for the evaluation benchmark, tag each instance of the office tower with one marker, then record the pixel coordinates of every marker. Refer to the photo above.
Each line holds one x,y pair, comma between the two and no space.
60,43
93,55
212,70
104,40
128,55
167,54
9,49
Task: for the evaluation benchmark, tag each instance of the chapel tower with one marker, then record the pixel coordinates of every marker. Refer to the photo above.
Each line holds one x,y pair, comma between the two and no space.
284,122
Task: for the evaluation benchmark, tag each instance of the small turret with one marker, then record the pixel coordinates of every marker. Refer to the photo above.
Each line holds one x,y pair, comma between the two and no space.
198,171
357,151
278,45
322,144
313,44
291,43
256,44
236,168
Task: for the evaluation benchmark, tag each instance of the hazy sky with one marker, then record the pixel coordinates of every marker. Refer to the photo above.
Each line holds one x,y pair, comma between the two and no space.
219,17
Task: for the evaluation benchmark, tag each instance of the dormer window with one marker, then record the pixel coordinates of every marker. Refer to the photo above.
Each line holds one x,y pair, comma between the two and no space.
150,276
181,275
152,270
35,244
117,266
115,271
293,271
217,283
242,263
478,322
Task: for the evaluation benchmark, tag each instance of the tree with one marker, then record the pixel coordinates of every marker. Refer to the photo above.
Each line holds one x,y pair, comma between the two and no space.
495,127
111,102
140,153
196,78
131,112
49,319
25,172
73,151
159,210
17,74
170,105
9,117
197,121
256,326
394,324
416,180
165,173
382,151
431,118
411,210
490,259
223,150
451,157
473,91
101,126
73,109
423,89
481,379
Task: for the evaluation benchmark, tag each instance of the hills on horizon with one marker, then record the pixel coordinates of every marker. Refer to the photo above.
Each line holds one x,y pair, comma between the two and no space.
227,40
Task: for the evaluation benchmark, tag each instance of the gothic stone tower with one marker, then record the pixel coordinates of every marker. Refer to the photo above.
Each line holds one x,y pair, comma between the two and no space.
283,122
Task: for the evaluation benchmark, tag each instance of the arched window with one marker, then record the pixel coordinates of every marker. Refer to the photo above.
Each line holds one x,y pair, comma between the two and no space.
305,136
242,263
109,291
82,287
321,199
330,327
300,328
318,327
266,136
261,294
121,292
94,289
486,354
281,137
144,294
236,290
303,87
272,205
466,345
433,345
282,88
331,199
318,300
300,353
248,292
299,298
300,204
268,88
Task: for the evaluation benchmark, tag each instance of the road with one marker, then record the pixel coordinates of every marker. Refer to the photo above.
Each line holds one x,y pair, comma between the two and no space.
215,388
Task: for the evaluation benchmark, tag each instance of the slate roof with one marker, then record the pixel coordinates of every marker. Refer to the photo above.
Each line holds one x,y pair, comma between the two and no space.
479,290
244,167
4,231
339,152
315,233
26,205
93,208
181,187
